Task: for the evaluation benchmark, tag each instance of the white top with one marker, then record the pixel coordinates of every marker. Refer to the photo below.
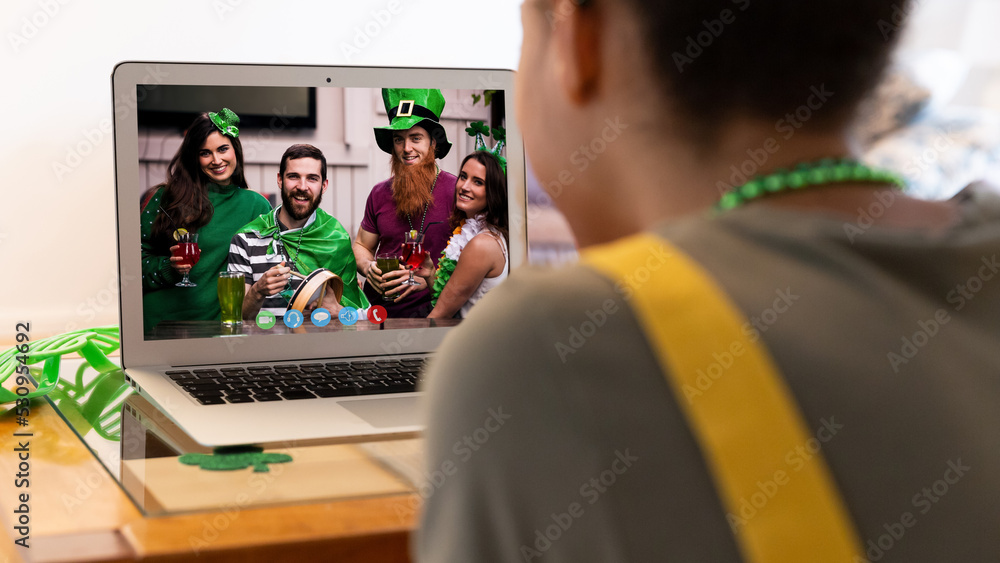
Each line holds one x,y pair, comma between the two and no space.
488,283
472,227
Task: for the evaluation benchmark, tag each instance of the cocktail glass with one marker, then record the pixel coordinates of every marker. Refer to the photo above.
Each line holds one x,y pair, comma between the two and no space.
188,251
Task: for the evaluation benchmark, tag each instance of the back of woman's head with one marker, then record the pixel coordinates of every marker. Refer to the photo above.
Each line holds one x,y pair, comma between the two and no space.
763,59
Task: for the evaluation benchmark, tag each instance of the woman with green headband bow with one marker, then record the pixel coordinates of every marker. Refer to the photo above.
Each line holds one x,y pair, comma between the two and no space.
205,193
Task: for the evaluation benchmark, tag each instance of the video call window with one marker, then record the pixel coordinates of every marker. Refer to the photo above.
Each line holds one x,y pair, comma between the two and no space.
276,210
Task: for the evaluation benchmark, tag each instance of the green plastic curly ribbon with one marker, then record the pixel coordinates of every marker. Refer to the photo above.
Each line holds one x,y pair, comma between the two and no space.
95,405
94,344
446,267
226,120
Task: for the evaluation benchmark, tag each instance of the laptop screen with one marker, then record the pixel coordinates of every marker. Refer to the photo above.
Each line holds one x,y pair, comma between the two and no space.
302,210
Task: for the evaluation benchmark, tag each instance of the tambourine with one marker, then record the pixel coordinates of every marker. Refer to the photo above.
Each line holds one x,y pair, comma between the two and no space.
314,288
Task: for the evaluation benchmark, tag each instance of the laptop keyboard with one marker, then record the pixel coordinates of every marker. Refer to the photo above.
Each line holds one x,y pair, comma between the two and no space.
289,382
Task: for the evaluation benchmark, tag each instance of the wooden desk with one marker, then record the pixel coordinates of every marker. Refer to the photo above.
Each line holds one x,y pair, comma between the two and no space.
79,512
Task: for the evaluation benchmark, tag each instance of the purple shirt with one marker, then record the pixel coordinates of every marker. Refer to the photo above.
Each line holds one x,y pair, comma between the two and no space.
382,220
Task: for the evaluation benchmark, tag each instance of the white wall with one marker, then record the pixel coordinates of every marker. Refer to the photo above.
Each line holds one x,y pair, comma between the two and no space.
968,27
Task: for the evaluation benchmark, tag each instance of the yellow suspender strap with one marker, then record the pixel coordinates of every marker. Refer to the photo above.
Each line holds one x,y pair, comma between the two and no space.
743,416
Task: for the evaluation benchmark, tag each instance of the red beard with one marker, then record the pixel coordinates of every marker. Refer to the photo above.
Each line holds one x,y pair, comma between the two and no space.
411,184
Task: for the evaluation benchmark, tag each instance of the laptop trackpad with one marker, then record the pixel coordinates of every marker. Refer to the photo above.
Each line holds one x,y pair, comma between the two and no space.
385,413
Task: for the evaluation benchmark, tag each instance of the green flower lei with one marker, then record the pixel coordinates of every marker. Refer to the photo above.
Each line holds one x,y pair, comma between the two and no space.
446,267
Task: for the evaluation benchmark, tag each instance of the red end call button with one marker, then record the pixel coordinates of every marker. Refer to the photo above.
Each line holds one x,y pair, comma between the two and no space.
376,314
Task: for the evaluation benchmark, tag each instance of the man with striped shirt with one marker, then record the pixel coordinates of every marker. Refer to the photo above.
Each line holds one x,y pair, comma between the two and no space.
296,236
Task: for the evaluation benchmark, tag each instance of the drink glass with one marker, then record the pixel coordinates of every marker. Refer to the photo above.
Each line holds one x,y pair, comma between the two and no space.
413,254
231,289
188,250
277,257
387,262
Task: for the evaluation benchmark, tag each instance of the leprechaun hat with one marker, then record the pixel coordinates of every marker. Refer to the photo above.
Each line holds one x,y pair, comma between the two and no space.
409,107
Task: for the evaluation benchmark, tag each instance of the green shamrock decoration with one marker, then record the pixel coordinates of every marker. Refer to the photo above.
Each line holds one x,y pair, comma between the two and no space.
477,127
235,458
480,131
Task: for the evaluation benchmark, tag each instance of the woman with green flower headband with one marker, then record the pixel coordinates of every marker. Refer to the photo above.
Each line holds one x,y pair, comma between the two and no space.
475,259
206,193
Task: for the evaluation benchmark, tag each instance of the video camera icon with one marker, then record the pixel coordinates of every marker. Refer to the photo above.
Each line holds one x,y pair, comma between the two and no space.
266,320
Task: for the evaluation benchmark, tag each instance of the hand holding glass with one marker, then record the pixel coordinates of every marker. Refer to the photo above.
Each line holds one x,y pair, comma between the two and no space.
281,257
387,262
413,254
189,253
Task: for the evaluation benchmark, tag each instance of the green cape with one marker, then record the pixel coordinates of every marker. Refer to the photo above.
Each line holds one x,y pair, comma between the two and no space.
325,243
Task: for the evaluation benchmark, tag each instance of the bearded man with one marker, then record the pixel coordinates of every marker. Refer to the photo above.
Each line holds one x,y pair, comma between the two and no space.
296,236
419,196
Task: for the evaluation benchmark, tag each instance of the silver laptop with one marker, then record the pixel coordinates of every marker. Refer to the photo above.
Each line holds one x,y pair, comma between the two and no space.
334,109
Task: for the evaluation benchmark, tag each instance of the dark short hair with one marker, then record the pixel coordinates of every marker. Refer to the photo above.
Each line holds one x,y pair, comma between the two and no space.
762,58
295,152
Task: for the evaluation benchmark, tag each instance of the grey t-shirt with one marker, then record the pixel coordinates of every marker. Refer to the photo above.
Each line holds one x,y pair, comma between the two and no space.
553,434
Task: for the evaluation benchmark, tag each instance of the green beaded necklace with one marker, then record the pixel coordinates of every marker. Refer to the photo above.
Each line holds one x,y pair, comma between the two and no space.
806,175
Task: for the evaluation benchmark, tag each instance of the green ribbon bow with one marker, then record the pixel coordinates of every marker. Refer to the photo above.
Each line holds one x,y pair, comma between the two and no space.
226,120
